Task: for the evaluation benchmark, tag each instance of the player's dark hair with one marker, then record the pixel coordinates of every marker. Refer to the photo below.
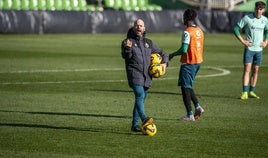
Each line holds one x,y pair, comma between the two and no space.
260,4
189,15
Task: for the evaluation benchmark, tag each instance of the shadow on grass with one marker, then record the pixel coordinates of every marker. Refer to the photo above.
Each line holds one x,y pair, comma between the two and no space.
169,93
101,130
66,128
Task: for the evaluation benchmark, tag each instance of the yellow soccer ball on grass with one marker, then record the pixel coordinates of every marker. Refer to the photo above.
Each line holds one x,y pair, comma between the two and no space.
149,129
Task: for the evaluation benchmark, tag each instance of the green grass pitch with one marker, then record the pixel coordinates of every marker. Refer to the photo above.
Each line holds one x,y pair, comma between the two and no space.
66,96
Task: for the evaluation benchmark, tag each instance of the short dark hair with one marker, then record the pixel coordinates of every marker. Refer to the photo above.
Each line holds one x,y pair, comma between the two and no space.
260,4
189,15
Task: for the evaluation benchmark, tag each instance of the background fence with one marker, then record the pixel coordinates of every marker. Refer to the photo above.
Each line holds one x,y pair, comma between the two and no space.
110,21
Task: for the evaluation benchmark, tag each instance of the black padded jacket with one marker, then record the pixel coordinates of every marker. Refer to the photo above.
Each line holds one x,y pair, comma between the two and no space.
138,59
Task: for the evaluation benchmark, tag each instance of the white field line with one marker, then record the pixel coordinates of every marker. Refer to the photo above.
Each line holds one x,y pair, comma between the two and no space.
222,72
107,69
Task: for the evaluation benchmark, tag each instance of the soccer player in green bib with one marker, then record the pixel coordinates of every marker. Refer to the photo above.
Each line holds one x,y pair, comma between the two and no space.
255,26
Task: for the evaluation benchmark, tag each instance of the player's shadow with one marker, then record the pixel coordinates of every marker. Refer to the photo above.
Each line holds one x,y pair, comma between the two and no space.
130,91
98,130
89,129
169,93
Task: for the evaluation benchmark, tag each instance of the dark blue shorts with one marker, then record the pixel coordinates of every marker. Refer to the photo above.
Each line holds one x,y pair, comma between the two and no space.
253,57
187,75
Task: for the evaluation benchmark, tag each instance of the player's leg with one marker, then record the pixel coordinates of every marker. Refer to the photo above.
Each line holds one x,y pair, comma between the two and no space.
138,111
247,60
186,96
254,75
186,81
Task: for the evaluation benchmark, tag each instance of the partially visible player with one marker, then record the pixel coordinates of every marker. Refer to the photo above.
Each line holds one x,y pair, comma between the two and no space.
191,52
256,32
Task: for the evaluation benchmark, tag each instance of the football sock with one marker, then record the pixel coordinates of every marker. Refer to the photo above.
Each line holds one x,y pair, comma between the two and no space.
197,105
193,97
186,95
245,88
251,88
189,113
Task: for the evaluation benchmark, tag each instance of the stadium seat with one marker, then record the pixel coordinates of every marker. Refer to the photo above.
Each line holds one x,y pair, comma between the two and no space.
7,4
128,5
58,4
74,5
109,3
1,4
91,8
16,5
33,4
66,5
99,8
50,5
144,5
118,4
25,4
82,5
41,5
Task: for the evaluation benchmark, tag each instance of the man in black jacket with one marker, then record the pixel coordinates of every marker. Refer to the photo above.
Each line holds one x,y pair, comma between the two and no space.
137,50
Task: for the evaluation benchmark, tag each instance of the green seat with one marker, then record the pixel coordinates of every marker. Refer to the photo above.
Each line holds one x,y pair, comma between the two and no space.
1,4
99,8
7,4
16,5
91,8
118,4
50,5
74,5
144,5
109,3
33,4
66,5
58,4
126,6
130,5
82,5
114,4
24,5
41,5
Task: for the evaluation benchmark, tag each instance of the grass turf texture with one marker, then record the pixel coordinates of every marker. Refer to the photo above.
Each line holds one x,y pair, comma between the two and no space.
67,96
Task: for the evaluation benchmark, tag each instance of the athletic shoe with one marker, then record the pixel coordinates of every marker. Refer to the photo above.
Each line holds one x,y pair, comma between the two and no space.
136,129
198,111
187,118
244,95
148,120
253,95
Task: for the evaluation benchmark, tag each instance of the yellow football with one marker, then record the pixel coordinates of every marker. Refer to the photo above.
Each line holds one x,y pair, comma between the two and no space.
156,70
156,58
149,129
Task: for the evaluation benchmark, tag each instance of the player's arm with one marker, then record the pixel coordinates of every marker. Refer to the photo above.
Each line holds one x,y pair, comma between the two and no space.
184,46
265,42
126,49
239,37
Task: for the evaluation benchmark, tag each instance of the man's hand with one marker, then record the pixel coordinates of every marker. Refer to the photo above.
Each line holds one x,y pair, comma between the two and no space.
246,43
164,67
128,43
264,43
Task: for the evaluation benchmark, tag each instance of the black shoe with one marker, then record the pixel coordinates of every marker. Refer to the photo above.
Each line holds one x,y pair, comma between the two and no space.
136,129
148,120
